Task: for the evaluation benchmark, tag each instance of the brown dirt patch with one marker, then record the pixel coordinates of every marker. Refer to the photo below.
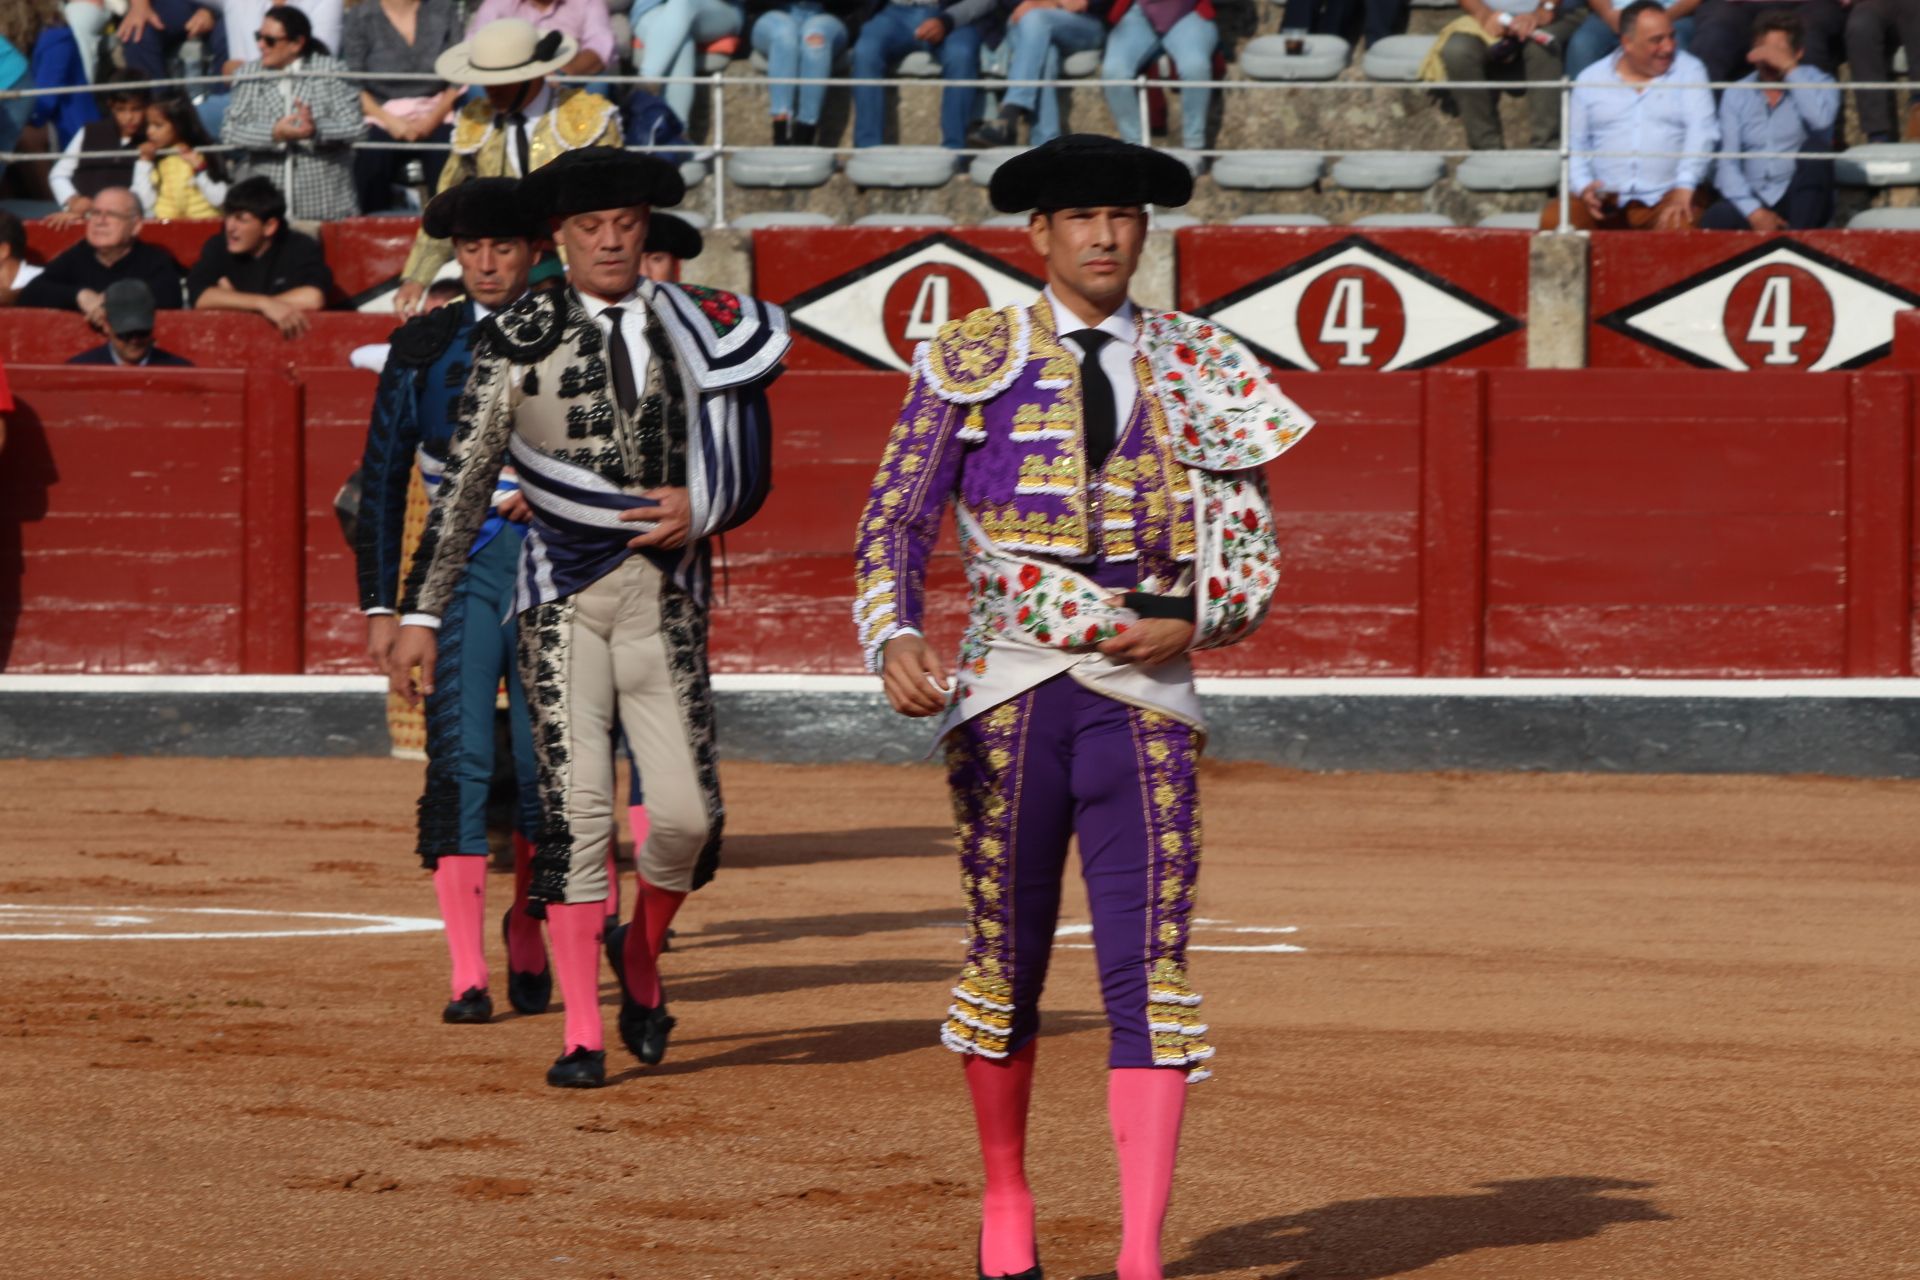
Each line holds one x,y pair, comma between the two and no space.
1543,1028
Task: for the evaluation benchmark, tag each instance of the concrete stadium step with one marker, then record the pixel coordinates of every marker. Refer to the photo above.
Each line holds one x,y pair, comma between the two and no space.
1404,220
804,167
1267,170
1388,171
1520,221
1266,58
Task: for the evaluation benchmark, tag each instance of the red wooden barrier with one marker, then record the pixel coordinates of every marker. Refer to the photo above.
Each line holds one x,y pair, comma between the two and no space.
211,339
1445,523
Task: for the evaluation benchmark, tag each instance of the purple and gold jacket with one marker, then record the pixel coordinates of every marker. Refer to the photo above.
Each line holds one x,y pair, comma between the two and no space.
992,421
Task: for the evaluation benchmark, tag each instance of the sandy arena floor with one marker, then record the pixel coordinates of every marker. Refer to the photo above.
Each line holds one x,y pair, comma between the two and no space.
1539,1028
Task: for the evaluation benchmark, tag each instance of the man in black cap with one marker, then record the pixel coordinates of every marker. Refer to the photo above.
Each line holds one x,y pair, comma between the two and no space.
415,413
128,308
671,241
629,407
1105,462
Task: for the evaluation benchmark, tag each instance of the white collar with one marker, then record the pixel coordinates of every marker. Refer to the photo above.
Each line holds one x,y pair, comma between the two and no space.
640,293
1120,325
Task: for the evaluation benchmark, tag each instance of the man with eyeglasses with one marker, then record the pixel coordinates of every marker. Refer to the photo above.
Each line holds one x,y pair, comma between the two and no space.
78,279
129,311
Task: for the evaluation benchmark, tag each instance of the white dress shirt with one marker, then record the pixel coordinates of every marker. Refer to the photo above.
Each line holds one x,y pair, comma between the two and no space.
1116,357
537,106
633,328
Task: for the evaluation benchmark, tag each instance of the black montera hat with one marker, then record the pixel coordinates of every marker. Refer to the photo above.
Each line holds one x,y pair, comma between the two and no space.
667,233
481,209
1078,170
591,178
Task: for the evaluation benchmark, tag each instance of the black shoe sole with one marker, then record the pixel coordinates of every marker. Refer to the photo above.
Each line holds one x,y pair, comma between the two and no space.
526,992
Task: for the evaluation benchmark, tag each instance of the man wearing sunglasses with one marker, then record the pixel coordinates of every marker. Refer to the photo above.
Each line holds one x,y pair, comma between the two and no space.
128,306
78,279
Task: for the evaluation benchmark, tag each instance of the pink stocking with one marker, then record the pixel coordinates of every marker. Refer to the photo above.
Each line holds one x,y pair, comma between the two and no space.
1145,1105
613,881
460,882
575,927
1002,1089
526,953
645,936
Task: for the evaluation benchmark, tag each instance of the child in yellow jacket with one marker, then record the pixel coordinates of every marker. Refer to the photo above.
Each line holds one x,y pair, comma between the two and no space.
172,178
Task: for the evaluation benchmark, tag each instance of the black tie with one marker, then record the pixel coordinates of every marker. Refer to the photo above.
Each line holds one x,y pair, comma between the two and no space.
621,364
1096,395
518,122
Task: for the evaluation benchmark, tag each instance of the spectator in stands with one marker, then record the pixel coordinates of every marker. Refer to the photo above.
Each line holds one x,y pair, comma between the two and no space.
1509,40
1775,195
76,181
298,132
153,31
1040,33
1723,32
521,124
128,306
1874,28
667,35
802,38
893,29
1144,29
88,21
77,279
19,28
399,37
586,21
1348,19
16,273
174,178
326,19
258,263
58,64
1599,35
1647,120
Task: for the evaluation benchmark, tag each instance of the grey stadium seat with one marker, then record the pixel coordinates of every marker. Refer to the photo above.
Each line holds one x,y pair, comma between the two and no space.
981,168
1174,221
712,63
1508,171
1404,220
1396,58
1266,58
1280,220
1267,170
1007,220
758,61
903,220
693,218
921,66
1880,164
695,171
1192,159
1078,66
780,166
1885,220
1511,222
780,218
1388,171
901,167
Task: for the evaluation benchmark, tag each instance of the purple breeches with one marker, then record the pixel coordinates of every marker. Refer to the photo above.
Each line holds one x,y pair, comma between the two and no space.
1028,775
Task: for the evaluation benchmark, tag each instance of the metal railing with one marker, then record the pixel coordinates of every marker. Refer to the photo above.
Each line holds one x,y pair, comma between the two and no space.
719,83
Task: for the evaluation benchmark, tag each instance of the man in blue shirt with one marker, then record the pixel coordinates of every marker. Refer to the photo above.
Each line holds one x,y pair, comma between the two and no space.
1776,195
1644,133
951,32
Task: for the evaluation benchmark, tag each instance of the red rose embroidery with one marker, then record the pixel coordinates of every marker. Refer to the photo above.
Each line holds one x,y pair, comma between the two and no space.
1069,609
1002,584
1026,611
1239,597
1029,577
1044,636
1251,519
1215,588
1093,633
1185,353
1193,437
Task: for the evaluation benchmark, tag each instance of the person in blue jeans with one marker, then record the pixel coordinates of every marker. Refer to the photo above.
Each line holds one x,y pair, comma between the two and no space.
1142,30
668,35
802,38
1599,35
1040,34
1348,19
892,30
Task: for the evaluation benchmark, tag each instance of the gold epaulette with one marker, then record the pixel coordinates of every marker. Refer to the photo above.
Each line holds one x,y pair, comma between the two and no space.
471,126
977,356
581,118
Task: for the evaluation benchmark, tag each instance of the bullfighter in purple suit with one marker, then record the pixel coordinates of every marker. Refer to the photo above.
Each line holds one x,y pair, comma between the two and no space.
1105,465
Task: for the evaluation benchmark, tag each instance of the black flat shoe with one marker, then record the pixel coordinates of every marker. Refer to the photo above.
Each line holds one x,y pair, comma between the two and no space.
1031,1273
474,1005
581,1069
643,1028
526,992
997,133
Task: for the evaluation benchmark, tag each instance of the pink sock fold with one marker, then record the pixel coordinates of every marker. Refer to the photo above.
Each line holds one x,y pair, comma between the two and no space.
526,952
1145,1106
460,883
576,931
652,916
1002,1090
